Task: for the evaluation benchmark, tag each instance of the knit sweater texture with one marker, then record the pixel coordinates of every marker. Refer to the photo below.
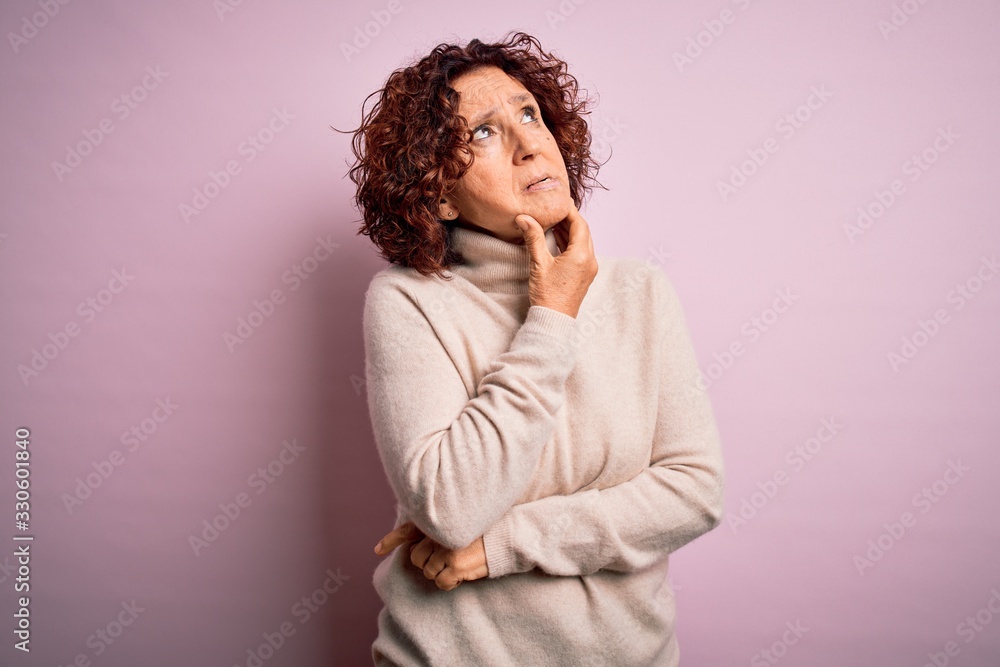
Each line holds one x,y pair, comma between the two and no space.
584,450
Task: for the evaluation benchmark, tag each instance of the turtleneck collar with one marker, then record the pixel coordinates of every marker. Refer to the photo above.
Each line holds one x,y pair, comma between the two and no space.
495,265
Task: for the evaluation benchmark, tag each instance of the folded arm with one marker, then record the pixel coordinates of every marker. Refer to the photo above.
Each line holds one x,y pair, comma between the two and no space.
630,526
457,464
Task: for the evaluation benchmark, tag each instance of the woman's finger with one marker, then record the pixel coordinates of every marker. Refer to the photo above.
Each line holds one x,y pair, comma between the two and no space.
534,238
447,580
434,566
421,551
402,534
561,230
577,229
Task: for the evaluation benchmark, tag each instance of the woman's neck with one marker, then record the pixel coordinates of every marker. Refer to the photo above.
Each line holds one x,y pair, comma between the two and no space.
492,264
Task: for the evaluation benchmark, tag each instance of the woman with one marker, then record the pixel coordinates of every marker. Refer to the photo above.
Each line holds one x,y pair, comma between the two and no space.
540,421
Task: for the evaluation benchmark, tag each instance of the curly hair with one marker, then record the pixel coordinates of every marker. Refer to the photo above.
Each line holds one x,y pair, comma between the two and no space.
412,145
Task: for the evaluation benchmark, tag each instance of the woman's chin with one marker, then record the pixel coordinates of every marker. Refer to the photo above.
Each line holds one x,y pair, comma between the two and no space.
551,216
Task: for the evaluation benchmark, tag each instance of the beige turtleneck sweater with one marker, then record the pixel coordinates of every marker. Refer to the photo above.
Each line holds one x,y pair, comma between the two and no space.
581,449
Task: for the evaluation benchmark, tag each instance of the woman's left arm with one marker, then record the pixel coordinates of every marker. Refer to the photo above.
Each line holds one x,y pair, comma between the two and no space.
630,526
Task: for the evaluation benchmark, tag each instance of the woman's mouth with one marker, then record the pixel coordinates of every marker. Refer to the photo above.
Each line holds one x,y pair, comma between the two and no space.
546,183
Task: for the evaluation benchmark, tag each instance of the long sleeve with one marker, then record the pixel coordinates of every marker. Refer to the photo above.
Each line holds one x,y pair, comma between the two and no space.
457,464
631,525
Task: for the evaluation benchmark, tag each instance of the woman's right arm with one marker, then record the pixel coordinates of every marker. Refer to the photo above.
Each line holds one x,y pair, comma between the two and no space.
458,464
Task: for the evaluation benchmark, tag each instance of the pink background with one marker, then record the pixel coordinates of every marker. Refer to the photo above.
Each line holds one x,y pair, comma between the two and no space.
788,551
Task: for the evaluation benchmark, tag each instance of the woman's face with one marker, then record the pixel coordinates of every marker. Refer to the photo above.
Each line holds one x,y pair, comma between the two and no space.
513,150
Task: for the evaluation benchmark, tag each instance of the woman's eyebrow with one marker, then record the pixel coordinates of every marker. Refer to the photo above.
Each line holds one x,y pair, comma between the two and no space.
489,113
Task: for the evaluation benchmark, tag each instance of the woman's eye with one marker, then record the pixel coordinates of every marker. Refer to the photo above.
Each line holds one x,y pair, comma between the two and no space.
530,111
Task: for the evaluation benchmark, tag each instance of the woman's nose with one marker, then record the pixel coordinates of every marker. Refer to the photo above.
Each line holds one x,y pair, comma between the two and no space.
527,143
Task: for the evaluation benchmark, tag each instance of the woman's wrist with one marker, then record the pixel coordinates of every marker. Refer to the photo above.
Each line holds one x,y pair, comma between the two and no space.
498,542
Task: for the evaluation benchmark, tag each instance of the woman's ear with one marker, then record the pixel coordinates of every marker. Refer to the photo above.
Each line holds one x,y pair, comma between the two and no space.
446,211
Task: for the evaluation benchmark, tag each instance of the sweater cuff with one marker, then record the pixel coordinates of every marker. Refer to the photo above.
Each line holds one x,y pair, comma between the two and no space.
550,321
498,542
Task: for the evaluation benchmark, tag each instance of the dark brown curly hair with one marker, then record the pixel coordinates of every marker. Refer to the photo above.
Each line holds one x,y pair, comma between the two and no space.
412,145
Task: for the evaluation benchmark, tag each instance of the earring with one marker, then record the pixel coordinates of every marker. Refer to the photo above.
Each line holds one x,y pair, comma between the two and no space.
451,213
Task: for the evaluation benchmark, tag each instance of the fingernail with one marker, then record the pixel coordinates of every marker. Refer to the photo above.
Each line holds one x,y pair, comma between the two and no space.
378,548
521,224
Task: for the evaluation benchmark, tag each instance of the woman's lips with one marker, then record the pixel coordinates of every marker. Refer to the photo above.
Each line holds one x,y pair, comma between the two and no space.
547,184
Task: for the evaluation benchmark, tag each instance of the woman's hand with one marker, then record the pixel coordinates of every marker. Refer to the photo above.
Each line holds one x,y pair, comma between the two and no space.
560,282
447,567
